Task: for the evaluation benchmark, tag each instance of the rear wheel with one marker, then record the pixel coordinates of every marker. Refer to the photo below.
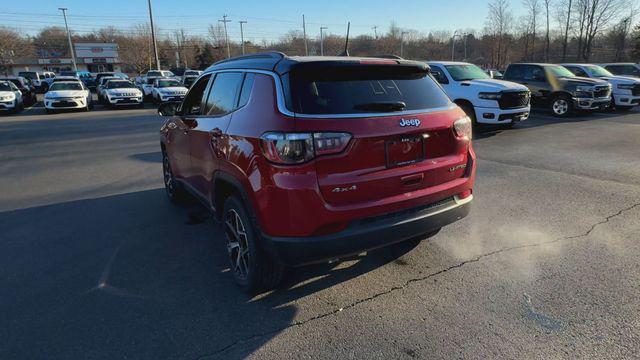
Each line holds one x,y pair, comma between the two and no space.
252,268
561,106
173,189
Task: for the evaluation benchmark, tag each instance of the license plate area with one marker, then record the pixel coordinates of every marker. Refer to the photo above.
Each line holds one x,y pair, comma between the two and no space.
404,150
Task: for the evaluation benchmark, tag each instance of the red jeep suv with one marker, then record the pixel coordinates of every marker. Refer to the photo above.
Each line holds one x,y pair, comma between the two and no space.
308,159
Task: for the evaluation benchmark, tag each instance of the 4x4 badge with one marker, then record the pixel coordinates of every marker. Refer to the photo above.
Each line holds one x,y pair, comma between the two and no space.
409,122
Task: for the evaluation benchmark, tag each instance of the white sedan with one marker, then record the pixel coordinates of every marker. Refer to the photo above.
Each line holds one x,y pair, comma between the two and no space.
67,95
10,97
165,89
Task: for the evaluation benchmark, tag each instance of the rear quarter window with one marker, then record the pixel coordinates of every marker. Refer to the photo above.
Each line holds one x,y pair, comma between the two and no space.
350,90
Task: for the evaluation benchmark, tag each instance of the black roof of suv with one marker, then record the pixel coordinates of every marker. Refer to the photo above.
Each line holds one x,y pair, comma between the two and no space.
282,64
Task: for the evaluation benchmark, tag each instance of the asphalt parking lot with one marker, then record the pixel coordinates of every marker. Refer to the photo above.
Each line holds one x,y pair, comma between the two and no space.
97,264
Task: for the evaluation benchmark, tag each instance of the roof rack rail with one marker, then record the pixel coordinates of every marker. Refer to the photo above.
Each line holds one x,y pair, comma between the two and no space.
388,56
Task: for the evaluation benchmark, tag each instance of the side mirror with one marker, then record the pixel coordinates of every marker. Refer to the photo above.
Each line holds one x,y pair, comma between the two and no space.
168,108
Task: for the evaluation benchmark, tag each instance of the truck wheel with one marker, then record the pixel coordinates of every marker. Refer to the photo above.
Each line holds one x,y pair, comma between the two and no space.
561,106
174,191
252,268
471,113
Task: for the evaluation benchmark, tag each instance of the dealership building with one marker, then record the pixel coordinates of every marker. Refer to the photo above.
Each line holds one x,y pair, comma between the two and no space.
92,57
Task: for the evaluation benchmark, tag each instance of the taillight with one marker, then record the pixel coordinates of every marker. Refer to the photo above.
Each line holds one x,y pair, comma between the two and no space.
297,148
462,127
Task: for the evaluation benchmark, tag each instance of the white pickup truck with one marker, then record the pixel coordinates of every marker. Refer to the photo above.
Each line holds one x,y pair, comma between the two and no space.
485,100
625,90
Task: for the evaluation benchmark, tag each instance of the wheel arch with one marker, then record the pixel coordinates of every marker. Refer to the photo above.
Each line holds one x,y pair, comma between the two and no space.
225,185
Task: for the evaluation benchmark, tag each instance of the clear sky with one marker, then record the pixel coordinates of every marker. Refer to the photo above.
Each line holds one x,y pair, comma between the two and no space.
266,19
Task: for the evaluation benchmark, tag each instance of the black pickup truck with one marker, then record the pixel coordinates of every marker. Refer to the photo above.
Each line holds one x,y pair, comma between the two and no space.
557,88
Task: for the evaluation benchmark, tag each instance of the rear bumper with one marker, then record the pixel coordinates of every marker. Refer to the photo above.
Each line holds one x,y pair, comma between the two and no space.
367,234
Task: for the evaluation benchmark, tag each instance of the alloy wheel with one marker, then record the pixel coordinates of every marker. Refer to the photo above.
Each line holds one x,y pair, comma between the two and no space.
169,182
237,244
560,106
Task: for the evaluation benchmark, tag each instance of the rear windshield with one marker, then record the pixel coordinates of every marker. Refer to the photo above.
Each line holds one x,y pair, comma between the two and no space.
68,73
4,86
365,89
65,86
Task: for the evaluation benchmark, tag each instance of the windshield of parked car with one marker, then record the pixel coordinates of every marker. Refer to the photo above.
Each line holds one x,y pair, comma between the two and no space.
119,84
598,71
154,73
466,72
28,74
367,89
4,86
189,80
65,86
168,83
191,72
559,71
68,73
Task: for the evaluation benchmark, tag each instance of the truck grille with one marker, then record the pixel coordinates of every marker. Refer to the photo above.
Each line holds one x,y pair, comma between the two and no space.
601,91
636,90
514,100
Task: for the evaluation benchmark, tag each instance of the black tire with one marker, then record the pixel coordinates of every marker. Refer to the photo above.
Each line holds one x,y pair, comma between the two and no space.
624,108
561,106
252,268
471,113
172,187
49,111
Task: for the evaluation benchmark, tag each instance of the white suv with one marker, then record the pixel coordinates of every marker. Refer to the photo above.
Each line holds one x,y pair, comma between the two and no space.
485,100
625,90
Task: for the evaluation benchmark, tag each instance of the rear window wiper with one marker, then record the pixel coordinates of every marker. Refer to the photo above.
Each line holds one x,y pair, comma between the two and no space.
381,106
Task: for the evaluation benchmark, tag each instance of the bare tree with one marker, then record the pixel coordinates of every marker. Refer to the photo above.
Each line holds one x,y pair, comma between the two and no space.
12,47
564,17
547,4
497,26
597,15
533,10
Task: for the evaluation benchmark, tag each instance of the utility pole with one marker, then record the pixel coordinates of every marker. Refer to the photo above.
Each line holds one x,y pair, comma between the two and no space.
73,55
304,33
402,42
322,40
153,37
242,34
226,36
375,32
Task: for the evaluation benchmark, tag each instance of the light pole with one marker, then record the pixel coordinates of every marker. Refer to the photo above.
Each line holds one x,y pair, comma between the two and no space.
402,43
453,43
226,36
242,34
322,40
375,31
73,55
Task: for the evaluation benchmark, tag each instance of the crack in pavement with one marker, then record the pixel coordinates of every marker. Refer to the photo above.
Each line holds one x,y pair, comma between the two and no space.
419,279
